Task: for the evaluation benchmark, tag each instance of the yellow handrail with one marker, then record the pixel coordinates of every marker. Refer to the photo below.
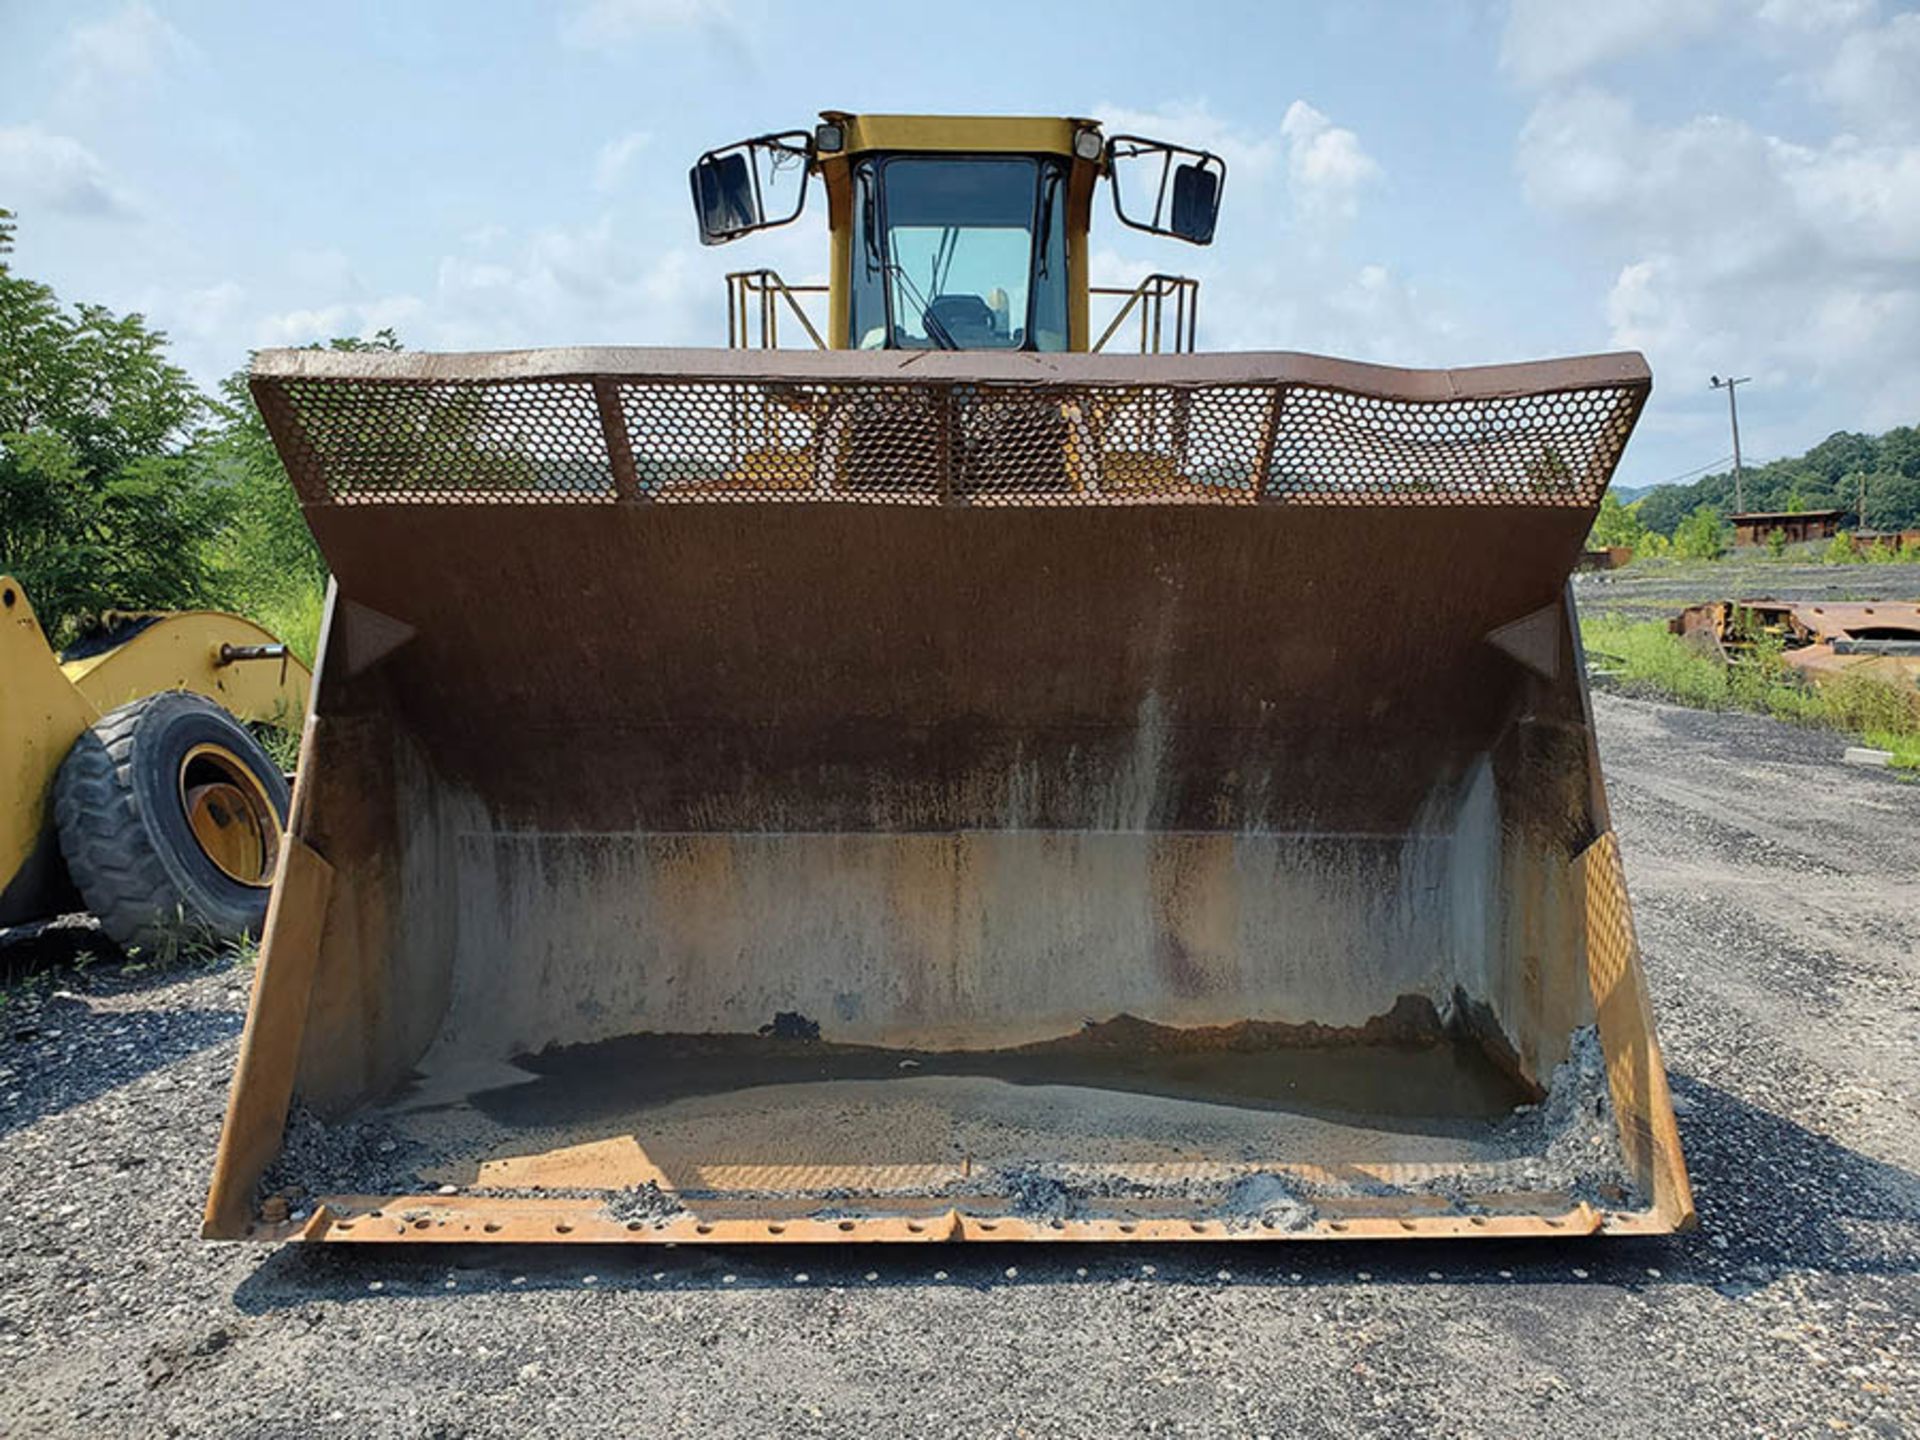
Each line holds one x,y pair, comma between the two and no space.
743,287
1151,296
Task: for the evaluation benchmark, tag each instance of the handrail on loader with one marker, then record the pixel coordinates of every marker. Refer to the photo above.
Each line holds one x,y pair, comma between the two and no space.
762,292
1150,297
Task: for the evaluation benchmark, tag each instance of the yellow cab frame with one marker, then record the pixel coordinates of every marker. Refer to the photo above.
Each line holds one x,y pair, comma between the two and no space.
729,197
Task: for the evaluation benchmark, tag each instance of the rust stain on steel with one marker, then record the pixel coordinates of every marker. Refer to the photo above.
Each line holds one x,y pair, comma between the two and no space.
848,668
674,366
945,430
942,699
1606,557
1801,622
1878,639
429,1218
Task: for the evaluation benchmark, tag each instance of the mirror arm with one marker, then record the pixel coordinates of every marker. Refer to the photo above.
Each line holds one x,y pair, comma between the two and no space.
795,143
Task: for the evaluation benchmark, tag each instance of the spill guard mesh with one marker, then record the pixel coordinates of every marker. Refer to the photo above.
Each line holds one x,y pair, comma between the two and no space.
607,439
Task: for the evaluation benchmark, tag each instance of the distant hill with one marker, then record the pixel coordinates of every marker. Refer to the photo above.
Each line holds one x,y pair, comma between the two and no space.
1827,477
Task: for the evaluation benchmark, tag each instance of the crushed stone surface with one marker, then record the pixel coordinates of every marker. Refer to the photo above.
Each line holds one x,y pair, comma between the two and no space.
1660,591
360,1158
1777,895
646,1202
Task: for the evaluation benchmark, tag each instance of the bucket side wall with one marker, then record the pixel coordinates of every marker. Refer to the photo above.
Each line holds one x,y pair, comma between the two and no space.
367,796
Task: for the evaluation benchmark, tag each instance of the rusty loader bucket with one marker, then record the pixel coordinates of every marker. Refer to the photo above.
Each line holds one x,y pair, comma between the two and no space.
830,796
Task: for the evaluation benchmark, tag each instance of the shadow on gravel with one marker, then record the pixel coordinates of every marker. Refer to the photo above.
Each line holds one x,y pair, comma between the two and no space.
1774,1199
73,953
44,945
64,1052
1783,1197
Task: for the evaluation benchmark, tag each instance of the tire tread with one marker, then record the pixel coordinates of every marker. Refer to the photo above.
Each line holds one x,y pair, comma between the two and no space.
111,853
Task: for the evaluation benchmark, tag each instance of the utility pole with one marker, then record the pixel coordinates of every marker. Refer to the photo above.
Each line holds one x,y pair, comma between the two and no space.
1733,414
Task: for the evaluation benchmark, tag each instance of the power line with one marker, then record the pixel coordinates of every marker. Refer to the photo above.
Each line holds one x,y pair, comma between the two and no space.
1689,474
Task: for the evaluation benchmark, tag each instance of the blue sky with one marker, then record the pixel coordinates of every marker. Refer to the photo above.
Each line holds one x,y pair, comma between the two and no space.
1725,184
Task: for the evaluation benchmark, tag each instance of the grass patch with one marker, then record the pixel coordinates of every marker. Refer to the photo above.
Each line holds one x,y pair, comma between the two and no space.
282,744
1644,657
292,613
1905,749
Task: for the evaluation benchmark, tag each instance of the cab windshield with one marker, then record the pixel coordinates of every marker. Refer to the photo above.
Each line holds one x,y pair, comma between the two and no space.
959,253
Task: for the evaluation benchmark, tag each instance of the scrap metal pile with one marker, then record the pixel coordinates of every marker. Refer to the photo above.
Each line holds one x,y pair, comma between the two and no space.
1876,640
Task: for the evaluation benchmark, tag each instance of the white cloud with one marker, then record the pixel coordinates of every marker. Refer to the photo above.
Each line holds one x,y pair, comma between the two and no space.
324,271
559,285
1873,78
1284,273
1550,40
205,313
1326,165
304,326
1812,16
1331,306
616,22
1250,157
1799,263
585,285
610,164
128,48
58,172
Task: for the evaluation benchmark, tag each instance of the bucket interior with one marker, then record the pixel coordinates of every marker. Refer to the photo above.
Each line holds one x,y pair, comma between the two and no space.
782,862
1093,883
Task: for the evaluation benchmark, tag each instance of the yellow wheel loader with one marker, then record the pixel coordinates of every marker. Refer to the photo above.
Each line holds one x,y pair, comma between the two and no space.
954,782
131,785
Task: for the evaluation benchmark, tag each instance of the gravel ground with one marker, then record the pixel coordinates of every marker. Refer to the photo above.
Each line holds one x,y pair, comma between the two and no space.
1778,905
1660,589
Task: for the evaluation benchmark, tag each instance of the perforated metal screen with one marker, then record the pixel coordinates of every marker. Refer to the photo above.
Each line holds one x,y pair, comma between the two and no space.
663,427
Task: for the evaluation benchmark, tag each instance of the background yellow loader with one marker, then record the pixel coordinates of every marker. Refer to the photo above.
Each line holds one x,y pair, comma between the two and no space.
126,774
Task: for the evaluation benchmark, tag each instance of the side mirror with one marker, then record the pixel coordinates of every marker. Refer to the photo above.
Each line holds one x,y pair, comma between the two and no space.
1196,203
754,185
1166,189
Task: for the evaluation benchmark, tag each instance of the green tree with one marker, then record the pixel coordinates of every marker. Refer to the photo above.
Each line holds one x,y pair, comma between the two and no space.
1616,524
1548,472
1776,543
105,495
1701,536
1893,498
265,562
121,486
1827,477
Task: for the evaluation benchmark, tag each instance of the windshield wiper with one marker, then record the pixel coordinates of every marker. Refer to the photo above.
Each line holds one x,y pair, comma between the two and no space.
936,331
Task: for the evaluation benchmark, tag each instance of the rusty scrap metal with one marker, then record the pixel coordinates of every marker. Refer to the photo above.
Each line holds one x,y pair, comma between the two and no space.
1821,641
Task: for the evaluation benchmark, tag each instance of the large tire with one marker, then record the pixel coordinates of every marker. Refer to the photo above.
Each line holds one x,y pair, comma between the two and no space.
122,812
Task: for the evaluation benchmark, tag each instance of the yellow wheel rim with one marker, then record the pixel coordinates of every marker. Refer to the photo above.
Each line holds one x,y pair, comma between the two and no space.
230,813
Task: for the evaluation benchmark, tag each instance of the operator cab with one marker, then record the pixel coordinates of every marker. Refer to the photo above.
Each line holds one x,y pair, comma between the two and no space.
959,252
957,233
